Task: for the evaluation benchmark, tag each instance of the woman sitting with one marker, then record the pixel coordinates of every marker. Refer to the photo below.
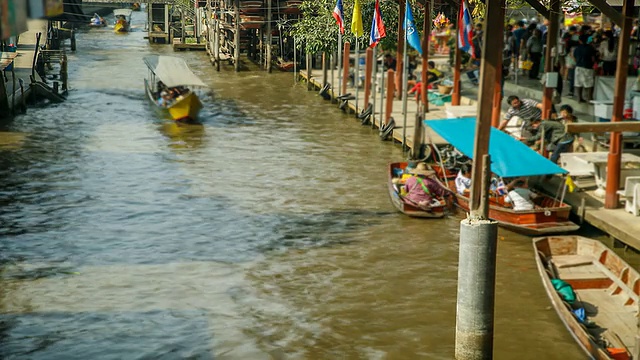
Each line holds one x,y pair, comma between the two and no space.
421,188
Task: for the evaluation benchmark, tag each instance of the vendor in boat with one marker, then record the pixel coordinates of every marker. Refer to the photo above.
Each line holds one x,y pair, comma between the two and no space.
463,180
421,188
519,195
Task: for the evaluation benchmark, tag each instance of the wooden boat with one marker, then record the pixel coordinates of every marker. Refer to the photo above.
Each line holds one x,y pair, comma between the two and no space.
550,215
170,72
252,6
251,21
123,20
97,21
136,6
292,6
404,205
510,158
285,65
606,287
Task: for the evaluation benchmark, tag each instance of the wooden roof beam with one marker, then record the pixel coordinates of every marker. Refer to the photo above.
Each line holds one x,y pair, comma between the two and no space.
603,127
608,11
539,7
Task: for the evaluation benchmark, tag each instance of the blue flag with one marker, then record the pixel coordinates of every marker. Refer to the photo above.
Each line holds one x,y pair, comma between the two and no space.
410,31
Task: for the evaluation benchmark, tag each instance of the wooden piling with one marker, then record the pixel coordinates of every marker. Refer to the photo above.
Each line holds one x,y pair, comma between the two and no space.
400,51
236,40
391,87
368,68
269,37
611,200
345,67
426,25
325,69
552,40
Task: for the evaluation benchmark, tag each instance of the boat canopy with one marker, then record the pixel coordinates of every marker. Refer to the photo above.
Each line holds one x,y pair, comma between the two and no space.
124,12
172,71
509,157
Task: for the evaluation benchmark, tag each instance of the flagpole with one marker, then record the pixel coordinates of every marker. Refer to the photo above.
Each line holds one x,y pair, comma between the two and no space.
339,63
356,78
380,123
374,82
405,79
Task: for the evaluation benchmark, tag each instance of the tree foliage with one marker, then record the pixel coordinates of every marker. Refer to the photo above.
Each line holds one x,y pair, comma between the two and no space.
317,31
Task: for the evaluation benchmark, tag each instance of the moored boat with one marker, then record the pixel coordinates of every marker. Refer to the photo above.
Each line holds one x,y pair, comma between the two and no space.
403,204
170,87
595,293
509,159
123,20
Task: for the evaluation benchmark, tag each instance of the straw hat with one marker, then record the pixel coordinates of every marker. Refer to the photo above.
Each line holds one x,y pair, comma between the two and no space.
422,169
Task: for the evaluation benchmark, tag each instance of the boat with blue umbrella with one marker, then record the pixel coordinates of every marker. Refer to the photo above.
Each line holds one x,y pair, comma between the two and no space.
510,160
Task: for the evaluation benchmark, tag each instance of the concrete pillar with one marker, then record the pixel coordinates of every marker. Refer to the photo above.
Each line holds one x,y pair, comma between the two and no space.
476,289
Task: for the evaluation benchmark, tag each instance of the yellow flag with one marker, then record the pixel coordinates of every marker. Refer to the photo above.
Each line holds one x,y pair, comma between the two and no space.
356,21
570,184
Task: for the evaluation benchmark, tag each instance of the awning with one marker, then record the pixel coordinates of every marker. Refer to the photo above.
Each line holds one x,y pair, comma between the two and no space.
173,71
509,157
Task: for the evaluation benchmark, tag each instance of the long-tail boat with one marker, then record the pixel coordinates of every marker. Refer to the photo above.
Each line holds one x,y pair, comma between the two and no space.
510,158
405,205
595,293
172,74
123,20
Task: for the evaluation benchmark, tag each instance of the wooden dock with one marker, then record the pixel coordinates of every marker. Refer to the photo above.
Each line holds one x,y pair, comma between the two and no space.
621,225
178,45
402,130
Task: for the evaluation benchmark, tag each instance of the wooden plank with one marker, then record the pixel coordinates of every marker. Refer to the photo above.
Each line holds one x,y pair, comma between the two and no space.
539,7
565,261
599,128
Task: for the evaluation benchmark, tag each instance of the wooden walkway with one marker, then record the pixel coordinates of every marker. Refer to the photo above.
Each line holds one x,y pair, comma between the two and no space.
619,224
402,129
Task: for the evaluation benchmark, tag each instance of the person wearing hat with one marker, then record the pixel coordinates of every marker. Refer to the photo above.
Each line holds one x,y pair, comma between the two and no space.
421,188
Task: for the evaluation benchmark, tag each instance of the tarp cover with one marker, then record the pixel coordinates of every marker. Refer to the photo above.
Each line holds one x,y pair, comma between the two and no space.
509,157
124,12
172,71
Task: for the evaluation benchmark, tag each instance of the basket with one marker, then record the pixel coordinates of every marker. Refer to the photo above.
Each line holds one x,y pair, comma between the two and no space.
444,89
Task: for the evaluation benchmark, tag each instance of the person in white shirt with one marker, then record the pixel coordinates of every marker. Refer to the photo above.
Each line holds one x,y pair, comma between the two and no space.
520,197
463,180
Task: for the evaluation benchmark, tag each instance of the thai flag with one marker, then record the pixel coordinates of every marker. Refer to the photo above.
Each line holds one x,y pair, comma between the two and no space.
377,26
465,28
338,14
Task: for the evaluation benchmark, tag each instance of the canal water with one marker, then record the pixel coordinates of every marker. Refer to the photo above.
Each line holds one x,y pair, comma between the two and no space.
265,232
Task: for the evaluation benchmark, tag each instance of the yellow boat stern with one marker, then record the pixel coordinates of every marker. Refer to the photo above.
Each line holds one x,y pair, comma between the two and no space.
120,27
185,107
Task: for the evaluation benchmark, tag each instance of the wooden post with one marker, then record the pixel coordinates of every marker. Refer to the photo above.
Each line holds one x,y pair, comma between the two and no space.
497,92
64,75
216,41
236,39
552,40
309,62
455,96
400,52
325,68
615,153
345,67
494,26
426,25
182,26
269,36
391,86
368,69
4,96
